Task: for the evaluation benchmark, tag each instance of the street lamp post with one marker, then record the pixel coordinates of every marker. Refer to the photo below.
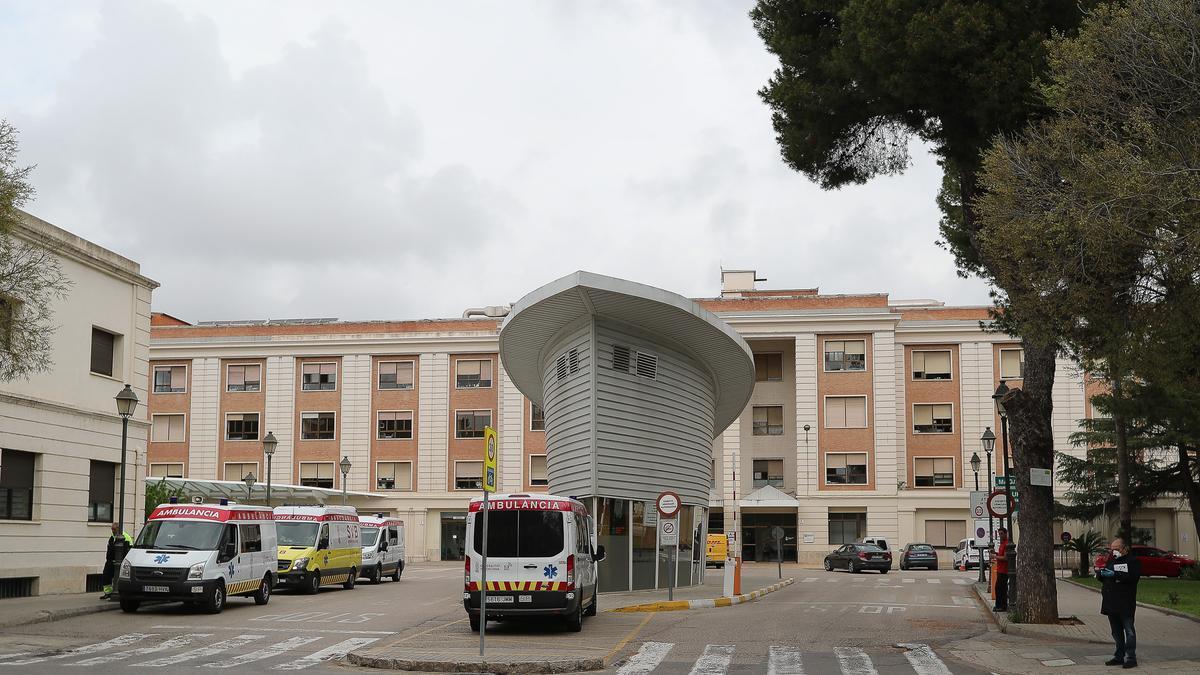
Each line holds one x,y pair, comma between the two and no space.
989,444
998,397
126,403
975,462
269,444
345,465
249,480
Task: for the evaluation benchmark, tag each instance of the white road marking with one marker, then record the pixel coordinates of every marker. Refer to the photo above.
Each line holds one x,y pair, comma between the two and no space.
14,655
714,661
265,653
808,580
964,582
173,643
934,581
647,658
854,661
859,578
910,581
784,661
923,660
201,652
328,654
119,641
296,629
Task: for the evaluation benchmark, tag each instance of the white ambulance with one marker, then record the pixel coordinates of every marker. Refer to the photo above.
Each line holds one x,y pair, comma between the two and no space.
382,547
542,559
201,554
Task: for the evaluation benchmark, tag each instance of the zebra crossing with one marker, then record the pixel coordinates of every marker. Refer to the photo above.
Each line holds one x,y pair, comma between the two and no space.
652,657
194,649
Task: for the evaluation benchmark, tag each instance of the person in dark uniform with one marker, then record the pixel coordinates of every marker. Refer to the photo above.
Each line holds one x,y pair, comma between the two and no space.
119,541
1119,577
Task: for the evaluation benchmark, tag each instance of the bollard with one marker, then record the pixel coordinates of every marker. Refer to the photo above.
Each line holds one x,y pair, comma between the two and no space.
737,577
727,588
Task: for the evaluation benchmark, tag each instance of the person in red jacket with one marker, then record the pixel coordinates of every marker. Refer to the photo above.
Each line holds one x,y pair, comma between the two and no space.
1000,570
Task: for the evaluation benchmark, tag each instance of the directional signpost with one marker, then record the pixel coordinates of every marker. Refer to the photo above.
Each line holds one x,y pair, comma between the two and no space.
668,533
489,486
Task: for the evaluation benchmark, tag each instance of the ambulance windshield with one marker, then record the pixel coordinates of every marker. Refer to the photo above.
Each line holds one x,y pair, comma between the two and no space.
296,534
369,535
186,535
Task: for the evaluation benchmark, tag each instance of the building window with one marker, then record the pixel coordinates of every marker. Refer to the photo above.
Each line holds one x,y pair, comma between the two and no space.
241,427
166,470
16,485
1012,364
768,367
468,475
317,426
768,420
244,377
846,528
845,355
393,476
846,468
537,417
470,374
933,418
319,376
102,482
768,472
237,471
170,379
945,533
933,472
104,350
931,365
470,423
396,375
167,429
537,470
845,412
316,474
395,425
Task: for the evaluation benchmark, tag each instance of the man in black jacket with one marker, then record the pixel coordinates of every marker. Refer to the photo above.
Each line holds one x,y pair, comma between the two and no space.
1119,577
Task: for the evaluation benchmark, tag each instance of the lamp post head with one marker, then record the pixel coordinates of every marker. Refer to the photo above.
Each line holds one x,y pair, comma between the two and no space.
975,462
270,443
126,402
989,440
345,465
250,480
998,397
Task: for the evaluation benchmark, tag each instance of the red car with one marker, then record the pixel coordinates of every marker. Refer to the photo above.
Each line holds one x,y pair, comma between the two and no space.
1155,562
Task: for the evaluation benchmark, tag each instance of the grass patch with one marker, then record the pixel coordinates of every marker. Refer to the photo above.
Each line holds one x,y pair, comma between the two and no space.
1162,592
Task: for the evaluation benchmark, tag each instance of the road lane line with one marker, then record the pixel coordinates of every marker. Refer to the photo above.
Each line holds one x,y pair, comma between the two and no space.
265,653
910,581
923,660
647,658
119,641
784,661
934,581
854,661
201,652
808,580
714,661
328,654
165,645
293,630
628,636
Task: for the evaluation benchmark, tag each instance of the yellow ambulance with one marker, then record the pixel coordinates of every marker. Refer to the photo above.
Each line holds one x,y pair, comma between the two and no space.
318,546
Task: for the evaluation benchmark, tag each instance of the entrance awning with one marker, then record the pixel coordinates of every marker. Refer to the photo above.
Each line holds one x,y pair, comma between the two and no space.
235,490
769,496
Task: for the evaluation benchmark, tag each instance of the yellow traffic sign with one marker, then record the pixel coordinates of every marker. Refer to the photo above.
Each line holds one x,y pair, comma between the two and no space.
489,459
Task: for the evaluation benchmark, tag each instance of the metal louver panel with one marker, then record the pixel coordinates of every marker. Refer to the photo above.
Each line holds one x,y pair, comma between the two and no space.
621,358
647,365
573,360
561,367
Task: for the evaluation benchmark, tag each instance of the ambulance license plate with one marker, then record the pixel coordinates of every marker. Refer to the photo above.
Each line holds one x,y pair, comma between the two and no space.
156,589
524,598
500,600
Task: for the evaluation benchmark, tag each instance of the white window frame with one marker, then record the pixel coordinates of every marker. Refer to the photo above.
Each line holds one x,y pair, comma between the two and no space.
783,475
337,375
380,387
912,425
257,468
261,377
866,408
337,472
454,477
529,470
395,461
490,360
781,368
454,421
1000,363
225,427
168,414
300,420
782,420
186,371
953,473
412,424
543,429
825,467
913,369
824,339
182,470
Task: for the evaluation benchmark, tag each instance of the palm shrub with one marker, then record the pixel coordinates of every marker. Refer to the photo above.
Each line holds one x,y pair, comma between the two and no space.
1086,545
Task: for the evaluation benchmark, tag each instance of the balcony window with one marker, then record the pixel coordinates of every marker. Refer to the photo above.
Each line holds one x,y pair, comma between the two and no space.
167,429
102,482
241,427
104,349
931,365
468,475
393,476
244,377
470,423
318,426
537,470
933,472
768,472
319,376
537,417
471,374
16,485
316,474
1012,364
846,412
768,420
846,468
236,471
395,425
768,367
166,470
396,375
845,355
933,418
170,379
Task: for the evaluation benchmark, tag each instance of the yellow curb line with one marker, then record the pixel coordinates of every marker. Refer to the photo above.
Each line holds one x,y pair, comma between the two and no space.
679,605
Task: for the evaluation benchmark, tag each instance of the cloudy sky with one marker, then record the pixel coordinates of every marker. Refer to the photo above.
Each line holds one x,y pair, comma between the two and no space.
405,159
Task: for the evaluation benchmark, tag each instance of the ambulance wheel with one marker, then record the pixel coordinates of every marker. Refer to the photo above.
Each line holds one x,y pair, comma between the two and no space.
129,605
349,582
377,575
575,620
592,608
215,601
263,595
474,623
398,571
314,583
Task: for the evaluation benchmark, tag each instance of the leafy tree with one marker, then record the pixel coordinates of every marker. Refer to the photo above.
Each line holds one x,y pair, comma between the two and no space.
31,277
859,78
159,493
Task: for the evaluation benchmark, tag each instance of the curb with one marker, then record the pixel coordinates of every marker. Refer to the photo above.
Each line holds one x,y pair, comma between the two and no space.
1160,608
1009,628
48,615
679,605
478,666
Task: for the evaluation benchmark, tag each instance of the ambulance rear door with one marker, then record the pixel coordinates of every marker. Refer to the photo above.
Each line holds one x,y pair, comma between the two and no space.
543,550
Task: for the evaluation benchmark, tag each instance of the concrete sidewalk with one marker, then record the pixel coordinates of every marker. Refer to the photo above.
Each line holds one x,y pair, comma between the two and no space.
42,608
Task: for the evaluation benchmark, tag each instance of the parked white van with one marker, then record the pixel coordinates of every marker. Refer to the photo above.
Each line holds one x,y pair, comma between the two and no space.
201,554
967,552
382,547
541,559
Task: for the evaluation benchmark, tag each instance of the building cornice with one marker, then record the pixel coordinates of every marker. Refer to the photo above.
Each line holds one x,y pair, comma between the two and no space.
57,240
51,406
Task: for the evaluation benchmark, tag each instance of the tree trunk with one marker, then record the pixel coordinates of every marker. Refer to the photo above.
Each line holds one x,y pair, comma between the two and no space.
1029,410
1188,456
1121,436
